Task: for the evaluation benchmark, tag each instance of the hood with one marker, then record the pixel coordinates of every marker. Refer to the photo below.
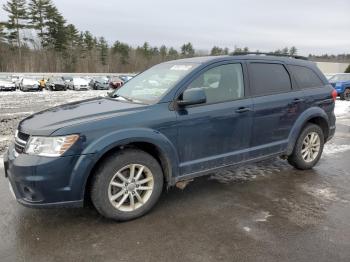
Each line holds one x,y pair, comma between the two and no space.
80,81
48,121
6,83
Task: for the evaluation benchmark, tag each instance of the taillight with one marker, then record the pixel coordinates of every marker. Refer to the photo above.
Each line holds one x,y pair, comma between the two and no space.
334,94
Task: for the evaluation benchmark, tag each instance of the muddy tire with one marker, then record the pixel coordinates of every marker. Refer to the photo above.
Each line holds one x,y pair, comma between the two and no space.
308,148
126,185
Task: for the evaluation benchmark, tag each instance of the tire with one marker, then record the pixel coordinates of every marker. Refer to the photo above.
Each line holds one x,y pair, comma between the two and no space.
102,190
342,96
296,159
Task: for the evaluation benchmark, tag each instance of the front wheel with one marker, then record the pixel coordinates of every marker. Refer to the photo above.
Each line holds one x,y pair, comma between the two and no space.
308,148
127,185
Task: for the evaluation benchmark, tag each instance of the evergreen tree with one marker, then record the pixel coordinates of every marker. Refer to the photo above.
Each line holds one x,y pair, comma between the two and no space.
293,50
17,17
187,50
163,51
89,41
216,51
38,17
123,50
72,35
173,53
103,50
56,35
285,51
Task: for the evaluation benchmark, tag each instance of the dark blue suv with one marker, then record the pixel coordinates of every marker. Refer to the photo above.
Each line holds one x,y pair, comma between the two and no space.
176,121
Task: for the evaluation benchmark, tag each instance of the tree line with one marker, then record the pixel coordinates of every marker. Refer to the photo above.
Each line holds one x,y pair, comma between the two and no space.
37,38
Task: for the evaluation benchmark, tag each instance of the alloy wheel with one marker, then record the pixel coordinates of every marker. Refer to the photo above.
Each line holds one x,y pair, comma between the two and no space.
311,147
131,187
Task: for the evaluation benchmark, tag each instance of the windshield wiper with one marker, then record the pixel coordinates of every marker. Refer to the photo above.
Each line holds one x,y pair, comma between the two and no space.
129,99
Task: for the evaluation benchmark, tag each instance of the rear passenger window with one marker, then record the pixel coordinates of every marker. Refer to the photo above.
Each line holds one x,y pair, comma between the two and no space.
305,77
268,79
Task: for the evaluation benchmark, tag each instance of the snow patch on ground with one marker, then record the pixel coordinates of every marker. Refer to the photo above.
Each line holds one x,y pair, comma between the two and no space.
330,149
262,216
341,108
247,229
322,193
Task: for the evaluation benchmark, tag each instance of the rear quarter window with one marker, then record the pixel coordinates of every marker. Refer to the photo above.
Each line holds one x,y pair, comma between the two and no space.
267,78
305,77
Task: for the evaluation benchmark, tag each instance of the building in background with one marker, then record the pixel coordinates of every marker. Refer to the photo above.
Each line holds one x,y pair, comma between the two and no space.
329,68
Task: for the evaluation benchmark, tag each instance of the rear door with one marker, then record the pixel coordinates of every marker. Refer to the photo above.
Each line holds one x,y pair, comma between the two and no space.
216,133
277,105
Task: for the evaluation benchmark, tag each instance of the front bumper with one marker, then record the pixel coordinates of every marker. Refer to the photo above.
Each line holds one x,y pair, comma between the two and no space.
44,181
7,88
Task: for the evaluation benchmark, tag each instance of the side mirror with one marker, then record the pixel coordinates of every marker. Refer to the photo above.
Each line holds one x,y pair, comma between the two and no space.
192,96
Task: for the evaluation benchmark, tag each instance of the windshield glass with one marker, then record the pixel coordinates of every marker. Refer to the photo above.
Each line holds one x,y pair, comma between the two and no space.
339,78
57,79
149,86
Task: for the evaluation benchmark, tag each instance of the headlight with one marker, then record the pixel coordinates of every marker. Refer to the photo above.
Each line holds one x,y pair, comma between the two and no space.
50,146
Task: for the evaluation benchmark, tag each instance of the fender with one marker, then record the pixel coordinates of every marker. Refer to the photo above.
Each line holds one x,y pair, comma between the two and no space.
308,114
93,153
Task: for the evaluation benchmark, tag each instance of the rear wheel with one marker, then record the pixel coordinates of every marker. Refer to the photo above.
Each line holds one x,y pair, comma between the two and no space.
308,148
127,185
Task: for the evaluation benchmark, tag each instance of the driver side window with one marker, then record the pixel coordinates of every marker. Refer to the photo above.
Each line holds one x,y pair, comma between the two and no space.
221,83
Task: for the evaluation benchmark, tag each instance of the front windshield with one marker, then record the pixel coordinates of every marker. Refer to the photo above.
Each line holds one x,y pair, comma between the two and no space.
339,78
57,79
149,86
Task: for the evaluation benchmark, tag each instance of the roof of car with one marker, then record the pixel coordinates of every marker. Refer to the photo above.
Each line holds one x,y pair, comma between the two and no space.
206,59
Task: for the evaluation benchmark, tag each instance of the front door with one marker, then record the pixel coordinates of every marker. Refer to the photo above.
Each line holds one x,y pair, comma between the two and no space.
218,132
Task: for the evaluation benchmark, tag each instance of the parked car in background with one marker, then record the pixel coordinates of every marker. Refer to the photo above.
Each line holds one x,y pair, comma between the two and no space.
341,83
56,84
6,84
125,78
16,79
67,79
79,84
175,121
115,82
29,83
99,83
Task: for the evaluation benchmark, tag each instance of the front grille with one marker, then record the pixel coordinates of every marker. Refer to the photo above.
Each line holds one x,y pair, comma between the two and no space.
23,136
21,140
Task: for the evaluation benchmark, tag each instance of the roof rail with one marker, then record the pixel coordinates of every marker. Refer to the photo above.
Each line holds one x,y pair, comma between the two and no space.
270,54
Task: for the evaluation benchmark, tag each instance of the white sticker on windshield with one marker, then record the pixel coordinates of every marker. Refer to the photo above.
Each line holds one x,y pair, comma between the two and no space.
181,67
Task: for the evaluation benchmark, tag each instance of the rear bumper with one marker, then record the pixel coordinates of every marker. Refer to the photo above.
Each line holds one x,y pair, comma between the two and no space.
44,182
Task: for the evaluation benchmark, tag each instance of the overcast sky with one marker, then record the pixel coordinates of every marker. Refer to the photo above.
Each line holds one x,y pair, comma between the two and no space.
313,26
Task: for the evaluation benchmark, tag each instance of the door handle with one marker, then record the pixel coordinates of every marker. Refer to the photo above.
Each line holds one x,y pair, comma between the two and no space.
243,109
298,100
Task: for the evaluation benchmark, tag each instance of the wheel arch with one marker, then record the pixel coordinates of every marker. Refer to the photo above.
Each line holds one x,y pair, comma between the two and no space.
314,115
152,142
